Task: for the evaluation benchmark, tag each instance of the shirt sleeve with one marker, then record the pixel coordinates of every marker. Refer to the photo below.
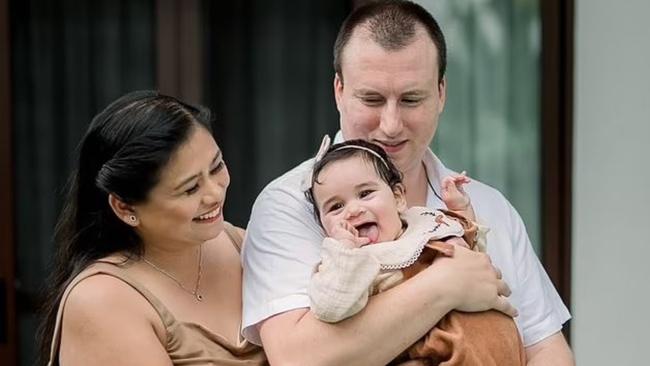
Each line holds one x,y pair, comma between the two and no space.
341,285
281,251
541,310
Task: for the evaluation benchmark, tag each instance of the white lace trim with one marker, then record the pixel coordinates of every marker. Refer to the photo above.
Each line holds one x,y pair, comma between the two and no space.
414,257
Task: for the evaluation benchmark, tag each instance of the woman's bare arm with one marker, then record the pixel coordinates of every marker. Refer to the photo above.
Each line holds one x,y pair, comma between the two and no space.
106,322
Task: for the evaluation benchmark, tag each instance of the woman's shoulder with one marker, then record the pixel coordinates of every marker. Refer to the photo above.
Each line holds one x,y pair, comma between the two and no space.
101,308
231,237
239,230
103,314
102,296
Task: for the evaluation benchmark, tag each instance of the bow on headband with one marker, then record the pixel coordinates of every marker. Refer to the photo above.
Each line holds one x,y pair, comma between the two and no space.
324,146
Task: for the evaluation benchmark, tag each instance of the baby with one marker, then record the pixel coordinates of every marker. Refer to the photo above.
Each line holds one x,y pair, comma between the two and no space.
374,242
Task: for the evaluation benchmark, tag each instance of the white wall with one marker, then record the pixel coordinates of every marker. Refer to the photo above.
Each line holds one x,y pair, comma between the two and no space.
611,227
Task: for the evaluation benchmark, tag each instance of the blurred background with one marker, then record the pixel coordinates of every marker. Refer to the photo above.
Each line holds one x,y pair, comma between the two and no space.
548,101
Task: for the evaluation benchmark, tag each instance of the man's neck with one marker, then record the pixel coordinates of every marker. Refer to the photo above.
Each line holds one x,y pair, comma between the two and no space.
416,185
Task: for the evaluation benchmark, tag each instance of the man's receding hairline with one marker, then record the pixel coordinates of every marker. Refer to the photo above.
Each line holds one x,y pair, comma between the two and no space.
362,30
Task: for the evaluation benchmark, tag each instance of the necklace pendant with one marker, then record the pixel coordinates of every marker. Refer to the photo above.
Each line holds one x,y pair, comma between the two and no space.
199,297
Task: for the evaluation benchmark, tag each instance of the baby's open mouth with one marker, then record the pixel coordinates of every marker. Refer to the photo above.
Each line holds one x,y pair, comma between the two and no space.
368,230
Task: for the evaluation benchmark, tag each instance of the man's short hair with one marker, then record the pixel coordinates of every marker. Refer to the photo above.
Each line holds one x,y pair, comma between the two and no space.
392,25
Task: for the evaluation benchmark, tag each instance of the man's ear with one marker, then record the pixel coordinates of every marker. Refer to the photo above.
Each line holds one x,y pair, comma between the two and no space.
442,91
400,197
122,210
338,90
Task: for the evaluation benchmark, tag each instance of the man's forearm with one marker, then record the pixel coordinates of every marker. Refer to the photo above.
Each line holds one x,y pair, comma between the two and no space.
553,350
391,322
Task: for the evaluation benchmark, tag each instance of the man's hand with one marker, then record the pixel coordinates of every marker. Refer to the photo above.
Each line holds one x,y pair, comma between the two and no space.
454,240
473,283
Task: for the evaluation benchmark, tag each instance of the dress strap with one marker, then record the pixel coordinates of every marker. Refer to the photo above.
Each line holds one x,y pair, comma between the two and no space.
110,269
235,236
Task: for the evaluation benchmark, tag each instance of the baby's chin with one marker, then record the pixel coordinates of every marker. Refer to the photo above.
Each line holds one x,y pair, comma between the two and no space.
394,237
382,239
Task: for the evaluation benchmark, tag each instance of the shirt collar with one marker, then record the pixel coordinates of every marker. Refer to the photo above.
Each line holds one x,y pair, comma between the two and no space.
338,137
435,171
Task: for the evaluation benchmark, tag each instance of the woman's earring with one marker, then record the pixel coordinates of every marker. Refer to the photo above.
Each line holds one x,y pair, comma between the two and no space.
132,219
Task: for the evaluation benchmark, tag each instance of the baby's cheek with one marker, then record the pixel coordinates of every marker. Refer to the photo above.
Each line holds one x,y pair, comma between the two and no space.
332,228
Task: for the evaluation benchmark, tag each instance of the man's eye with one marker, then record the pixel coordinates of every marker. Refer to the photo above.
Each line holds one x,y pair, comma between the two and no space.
192,190
411,101
372,100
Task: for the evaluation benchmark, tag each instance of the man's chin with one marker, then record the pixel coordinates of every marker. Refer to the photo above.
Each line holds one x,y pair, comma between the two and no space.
407,162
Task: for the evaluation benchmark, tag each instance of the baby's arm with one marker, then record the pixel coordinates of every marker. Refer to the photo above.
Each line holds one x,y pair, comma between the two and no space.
340,287
455,197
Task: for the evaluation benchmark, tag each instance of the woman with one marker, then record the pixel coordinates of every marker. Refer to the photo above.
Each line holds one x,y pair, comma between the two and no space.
147,271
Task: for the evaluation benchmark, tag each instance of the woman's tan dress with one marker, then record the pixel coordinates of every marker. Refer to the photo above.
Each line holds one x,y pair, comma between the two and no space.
187,343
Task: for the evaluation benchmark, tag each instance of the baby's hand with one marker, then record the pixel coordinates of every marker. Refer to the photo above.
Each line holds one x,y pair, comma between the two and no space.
453,193
348,235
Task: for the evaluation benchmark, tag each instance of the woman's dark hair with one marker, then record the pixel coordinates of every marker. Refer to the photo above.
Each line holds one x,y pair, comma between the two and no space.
384,167
123,152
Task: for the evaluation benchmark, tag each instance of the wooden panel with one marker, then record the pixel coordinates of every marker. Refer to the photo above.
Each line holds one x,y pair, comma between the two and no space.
557,142
180,49
8,339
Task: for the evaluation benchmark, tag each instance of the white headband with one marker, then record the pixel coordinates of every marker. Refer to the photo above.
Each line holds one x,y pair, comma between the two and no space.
324,147
371,151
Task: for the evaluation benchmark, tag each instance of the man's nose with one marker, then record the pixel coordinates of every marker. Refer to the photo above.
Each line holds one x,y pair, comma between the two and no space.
390,122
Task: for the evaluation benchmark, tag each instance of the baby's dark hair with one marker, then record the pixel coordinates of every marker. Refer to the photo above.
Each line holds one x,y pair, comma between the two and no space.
384,167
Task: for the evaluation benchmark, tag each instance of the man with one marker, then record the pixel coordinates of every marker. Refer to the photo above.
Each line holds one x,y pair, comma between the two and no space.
390,89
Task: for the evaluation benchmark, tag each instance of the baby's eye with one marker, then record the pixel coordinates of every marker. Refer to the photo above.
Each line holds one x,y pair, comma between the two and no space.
335,207
365,193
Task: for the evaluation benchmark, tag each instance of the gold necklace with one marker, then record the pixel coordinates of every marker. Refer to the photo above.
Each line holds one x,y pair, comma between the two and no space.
194,292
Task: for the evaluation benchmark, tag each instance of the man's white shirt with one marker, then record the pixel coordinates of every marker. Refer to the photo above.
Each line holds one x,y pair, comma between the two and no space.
283,243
